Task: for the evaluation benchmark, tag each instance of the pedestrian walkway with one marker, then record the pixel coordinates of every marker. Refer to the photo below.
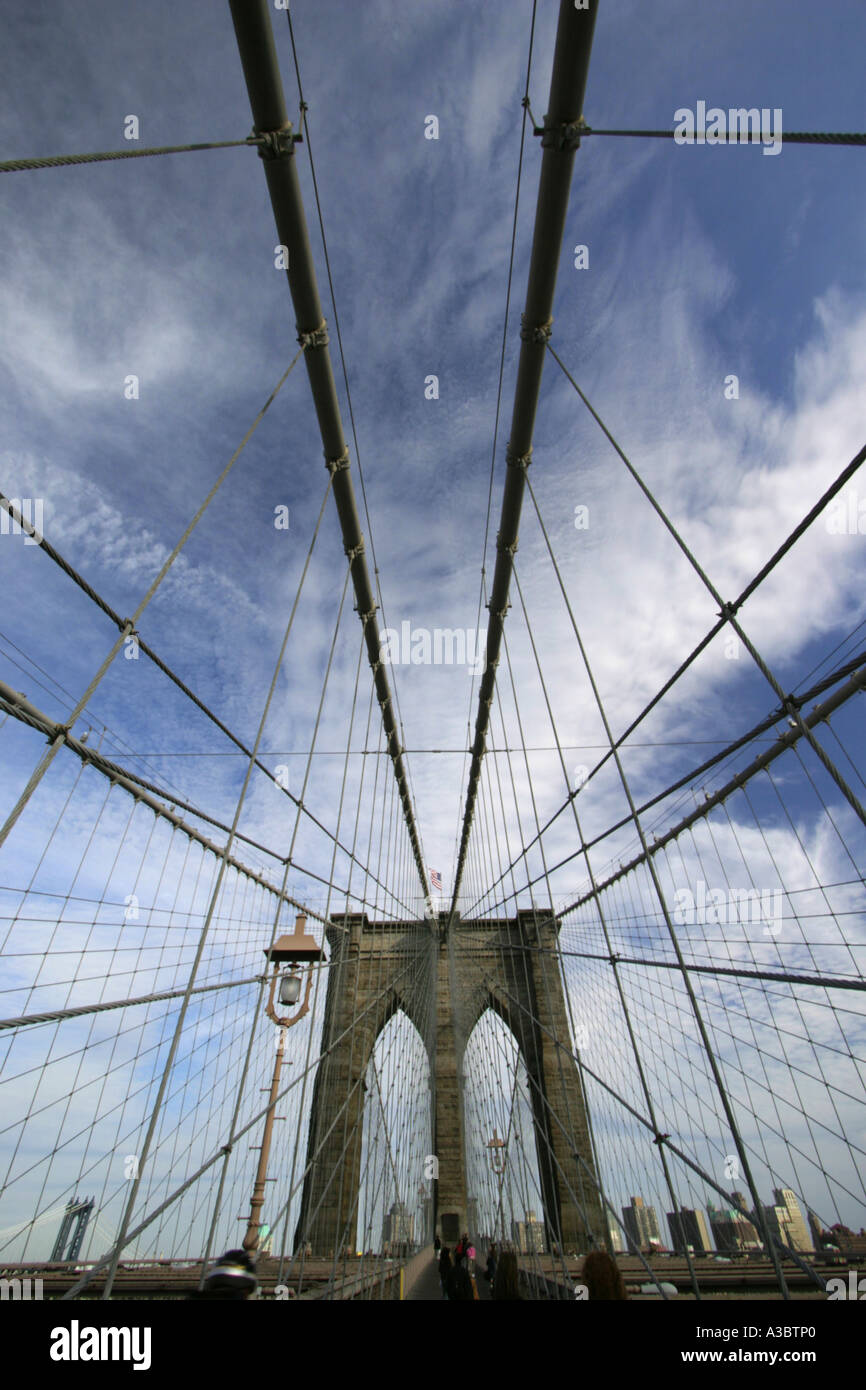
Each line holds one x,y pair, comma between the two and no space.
426,1287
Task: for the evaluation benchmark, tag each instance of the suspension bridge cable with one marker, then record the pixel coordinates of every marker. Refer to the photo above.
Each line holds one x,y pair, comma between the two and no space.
728,611
11,166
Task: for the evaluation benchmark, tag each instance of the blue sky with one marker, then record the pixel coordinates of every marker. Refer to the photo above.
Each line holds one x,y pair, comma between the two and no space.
703,263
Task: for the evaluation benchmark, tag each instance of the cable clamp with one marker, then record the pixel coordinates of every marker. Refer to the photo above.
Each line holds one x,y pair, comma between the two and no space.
660,1138
338,464
317,337
562,135
728,611
365,617
226,1149
276,144
518,460
615,958
792,707
352,555
535,332
376,667
503,548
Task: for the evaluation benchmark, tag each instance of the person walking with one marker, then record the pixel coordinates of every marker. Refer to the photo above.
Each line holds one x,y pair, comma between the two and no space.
490,1267
444,1269
460,1288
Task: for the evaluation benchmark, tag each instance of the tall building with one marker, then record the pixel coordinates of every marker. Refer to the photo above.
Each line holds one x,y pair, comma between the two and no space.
615,1235
641,1224
689,1228
819,1235
790,1220
398,1227
528,1235
732,1230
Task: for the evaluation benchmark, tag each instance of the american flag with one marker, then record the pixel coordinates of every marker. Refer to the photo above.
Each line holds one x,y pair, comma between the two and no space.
436,880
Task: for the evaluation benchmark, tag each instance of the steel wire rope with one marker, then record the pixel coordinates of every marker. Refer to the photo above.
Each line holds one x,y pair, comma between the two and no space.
333,867
547,985
663,904
807,1036
142,1226
222,863
797,137
632,1038
14,166
129,625
544,1102
148,651
728,611
352,863
786,545
288,858
305,121
481,586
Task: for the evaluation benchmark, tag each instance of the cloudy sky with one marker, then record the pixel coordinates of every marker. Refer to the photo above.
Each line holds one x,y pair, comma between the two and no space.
703,263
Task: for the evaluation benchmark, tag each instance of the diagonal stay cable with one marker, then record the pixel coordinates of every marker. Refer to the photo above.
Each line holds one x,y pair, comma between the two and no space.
129,625
794,137
223,860
57,161
727,611
121,624
255,40
525,105
835,487
834,678
567,86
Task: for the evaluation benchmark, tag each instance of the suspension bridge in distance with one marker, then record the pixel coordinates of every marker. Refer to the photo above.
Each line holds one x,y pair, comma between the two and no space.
635,1027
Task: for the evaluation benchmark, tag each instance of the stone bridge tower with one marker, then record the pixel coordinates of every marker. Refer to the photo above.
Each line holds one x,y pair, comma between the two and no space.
444,982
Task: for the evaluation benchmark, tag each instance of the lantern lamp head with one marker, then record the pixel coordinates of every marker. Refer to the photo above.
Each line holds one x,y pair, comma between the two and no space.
290,988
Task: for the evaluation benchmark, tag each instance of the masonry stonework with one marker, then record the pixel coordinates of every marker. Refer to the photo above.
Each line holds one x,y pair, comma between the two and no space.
444,982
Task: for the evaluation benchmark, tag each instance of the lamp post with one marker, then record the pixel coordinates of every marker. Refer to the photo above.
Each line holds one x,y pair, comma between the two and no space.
496,1147
295,949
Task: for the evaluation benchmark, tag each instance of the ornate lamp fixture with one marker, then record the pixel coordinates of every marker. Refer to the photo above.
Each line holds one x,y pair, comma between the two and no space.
497,1157
296,949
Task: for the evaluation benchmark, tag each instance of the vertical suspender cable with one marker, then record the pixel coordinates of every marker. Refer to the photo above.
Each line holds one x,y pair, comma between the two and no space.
560,140
255,39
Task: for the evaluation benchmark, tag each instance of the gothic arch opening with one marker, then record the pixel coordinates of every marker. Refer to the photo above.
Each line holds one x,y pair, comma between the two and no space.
395,1200
504,1196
